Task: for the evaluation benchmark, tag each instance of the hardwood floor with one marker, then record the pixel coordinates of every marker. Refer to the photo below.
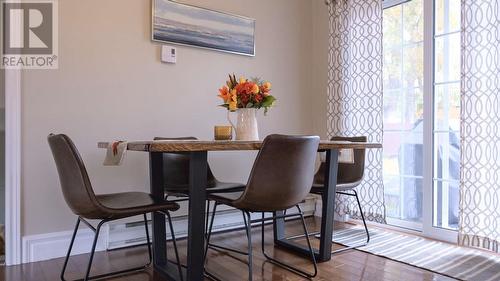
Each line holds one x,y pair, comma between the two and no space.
350,265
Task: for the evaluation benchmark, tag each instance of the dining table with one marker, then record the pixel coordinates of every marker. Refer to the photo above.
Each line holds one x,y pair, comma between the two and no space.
198,152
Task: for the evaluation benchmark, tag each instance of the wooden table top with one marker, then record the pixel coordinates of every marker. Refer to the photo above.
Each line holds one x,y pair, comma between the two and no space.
202,145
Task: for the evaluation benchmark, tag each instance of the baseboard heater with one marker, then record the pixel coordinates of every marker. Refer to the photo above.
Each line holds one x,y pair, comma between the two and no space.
122,234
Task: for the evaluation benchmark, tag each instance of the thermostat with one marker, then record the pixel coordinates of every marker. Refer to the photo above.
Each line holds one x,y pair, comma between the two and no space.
168,54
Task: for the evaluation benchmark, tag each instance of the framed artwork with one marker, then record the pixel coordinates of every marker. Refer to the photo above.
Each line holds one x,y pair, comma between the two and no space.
183,24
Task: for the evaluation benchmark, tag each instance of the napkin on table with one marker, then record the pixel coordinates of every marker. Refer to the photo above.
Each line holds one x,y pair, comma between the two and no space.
115,153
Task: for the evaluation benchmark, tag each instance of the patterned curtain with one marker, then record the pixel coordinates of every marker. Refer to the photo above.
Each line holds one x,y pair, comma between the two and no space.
355,92
480,130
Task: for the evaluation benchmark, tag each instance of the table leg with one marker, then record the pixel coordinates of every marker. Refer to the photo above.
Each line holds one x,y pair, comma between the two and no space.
196,221
160,262
322,254
328,211
156,189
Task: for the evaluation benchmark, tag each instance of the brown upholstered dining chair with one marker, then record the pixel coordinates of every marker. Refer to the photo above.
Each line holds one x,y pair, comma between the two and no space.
349,176
280,179
84,203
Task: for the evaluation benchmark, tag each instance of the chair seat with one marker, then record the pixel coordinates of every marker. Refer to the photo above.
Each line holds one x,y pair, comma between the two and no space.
317,188
232,199
213,187
225,198
127,204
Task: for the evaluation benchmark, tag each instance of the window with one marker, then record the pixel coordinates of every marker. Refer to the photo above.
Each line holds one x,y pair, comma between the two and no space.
421,122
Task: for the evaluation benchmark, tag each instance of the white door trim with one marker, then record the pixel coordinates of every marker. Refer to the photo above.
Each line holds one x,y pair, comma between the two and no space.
428,184
13,166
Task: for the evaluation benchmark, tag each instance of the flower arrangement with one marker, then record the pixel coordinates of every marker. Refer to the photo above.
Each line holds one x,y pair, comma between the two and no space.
246,93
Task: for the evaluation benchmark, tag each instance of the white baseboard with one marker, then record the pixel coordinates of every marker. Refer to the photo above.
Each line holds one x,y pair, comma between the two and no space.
55,245
120,234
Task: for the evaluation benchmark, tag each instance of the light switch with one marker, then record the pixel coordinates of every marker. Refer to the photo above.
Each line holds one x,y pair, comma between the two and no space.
168,54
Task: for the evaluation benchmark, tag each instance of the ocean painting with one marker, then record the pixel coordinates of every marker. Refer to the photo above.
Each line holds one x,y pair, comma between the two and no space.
183,24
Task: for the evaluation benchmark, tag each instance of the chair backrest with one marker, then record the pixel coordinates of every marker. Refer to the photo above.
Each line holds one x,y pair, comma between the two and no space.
176,169
352,172
282,174
347,173
75,182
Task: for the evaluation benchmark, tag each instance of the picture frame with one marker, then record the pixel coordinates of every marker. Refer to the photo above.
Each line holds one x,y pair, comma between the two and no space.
188,25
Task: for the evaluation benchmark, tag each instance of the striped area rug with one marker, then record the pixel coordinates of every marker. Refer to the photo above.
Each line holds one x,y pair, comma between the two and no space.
443,258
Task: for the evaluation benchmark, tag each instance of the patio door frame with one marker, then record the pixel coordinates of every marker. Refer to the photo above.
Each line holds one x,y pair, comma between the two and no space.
427,228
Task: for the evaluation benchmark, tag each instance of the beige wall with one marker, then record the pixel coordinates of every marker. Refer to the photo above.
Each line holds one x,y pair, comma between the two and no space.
319,66
110,84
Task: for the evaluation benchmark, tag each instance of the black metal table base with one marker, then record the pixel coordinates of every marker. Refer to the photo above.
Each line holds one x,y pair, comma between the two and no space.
170,270
322,254
196,219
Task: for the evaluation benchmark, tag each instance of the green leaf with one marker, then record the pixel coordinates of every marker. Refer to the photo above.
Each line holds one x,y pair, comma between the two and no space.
249,105
268,101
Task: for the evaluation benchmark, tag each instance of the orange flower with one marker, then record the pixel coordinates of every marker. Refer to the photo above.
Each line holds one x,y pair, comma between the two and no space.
258,98
224,94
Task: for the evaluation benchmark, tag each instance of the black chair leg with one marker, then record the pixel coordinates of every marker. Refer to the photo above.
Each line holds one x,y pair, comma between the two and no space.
287,266
207,218
362,217
70,247
355,194
209,232
150,252
248,228
92,252
174,242
219,247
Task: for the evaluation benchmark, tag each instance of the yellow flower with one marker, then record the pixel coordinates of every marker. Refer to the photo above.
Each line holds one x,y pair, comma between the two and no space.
242,80
267,85
255,89
233,105
233,101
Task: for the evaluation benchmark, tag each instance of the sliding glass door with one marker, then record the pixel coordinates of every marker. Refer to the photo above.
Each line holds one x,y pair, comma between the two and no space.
403,44
421,114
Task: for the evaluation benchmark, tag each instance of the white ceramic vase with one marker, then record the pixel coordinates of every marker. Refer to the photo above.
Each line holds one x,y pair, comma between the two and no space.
246,124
